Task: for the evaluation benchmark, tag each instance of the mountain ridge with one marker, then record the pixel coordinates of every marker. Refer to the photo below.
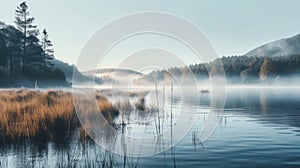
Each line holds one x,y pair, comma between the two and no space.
281,47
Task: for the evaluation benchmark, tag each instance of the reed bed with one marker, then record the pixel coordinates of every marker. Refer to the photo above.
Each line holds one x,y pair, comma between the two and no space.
34,114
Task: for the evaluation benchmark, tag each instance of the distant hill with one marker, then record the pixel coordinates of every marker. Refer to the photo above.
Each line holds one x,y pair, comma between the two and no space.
113,74
112,70
286,46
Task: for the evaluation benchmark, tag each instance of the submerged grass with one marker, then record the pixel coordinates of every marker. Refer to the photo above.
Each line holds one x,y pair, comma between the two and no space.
34,114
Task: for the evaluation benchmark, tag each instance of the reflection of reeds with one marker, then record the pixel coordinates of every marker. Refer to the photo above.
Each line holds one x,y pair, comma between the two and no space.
41,114
140,104
124,106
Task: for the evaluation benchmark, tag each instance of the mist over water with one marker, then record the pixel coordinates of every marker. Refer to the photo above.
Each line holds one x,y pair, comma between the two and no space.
257,123
259,120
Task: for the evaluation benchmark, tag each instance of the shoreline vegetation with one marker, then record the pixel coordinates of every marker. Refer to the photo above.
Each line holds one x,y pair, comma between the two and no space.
27,56
27,53
238,70
33,121
43,115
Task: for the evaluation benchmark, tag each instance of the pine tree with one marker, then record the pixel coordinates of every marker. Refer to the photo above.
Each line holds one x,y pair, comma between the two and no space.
3,52
34,53
25,24
48,52
12,38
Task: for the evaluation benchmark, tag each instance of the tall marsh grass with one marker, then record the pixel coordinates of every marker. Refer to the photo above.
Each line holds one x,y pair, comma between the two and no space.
33,114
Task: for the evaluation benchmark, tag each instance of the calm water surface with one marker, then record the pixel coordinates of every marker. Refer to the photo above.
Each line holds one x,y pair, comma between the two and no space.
259,128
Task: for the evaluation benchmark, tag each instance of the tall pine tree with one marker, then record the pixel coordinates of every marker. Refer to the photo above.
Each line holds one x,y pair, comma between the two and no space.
48,52
12,38
30,44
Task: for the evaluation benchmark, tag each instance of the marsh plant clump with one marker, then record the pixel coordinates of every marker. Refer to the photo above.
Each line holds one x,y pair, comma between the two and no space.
42,115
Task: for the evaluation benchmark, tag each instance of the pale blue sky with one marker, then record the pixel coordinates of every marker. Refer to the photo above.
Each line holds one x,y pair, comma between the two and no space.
233,26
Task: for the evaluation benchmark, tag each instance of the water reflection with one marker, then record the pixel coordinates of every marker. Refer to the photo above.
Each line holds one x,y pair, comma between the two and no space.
278,106
263,101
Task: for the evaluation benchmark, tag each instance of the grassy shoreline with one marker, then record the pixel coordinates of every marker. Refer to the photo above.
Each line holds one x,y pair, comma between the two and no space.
41,114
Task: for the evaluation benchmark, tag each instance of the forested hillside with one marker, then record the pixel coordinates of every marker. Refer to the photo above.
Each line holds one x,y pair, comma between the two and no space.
240,69
26,54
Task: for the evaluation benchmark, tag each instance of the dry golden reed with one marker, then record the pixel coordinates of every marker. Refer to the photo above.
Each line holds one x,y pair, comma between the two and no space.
34,114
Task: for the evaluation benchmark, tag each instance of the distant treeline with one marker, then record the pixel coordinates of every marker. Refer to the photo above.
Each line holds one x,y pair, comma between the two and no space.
239,69
26,54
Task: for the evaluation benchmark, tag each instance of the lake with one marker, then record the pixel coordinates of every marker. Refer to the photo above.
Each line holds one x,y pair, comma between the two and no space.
260,127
